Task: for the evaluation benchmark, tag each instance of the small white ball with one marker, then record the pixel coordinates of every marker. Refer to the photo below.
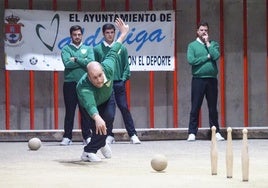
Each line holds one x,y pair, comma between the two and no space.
34,143
159,162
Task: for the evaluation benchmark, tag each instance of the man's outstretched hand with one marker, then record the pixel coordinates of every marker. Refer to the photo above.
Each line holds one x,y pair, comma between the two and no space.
123,28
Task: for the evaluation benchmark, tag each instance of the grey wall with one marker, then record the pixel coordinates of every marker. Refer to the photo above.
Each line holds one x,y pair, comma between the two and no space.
186,27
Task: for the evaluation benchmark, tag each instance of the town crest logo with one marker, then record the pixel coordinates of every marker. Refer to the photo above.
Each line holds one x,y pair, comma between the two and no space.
13,30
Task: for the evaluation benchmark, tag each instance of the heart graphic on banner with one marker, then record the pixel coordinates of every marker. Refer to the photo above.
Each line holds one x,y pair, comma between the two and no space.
42,31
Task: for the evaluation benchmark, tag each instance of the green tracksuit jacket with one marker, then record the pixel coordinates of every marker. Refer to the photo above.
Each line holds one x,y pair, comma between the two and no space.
90,96
197,56
75,70
122,71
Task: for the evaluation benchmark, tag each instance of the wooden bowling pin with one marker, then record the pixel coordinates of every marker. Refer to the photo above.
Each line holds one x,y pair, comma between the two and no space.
245,156
229,154
213,152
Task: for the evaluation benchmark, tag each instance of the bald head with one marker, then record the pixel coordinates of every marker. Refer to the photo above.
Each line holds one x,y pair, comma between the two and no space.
95,74
93,66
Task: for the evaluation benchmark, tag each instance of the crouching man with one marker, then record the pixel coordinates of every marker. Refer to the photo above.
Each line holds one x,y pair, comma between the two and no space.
95,90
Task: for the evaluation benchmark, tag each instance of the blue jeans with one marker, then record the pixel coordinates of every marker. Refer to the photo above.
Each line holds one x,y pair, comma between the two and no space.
121,101
71,102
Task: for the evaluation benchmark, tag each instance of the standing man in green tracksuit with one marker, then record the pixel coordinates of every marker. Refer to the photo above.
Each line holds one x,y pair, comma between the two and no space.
121,75
94,92
202,55
75,57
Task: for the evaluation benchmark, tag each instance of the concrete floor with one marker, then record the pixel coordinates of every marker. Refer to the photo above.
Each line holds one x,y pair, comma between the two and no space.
188,166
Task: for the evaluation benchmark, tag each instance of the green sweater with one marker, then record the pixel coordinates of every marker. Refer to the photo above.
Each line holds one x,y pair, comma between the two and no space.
122,71
90,96
197,56
75,70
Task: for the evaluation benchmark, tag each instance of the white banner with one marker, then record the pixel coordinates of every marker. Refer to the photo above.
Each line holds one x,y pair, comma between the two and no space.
34,38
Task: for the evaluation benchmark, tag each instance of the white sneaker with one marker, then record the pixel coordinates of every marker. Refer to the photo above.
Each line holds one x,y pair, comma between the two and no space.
86,142
106,151
191,137
219,137
91,157
66,142
110,140
134,140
